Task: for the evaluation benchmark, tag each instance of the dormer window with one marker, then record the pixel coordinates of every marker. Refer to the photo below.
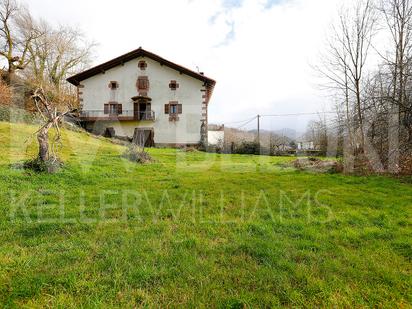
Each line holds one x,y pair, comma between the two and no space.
173,85
113,85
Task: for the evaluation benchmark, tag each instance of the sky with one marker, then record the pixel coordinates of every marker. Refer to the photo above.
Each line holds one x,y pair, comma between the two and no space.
260,52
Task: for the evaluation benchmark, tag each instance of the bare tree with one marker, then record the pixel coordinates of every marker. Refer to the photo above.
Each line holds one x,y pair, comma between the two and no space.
57,54
52,117
17,31
398,18
345,63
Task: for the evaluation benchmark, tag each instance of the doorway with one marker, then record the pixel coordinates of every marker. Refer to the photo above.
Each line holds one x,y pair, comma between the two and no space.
142,111
143,137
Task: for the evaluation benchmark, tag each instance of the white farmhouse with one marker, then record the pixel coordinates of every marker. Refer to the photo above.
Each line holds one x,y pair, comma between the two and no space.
144,96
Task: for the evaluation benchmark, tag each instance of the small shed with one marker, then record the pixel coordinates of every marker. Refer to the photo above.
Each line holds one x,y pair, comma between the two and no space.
215,134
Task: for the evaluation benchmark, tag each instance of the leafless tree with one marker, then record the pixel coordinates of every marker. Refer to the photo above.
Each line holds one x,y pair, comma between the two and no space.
17,31
52,117
397,64
57,54
344,64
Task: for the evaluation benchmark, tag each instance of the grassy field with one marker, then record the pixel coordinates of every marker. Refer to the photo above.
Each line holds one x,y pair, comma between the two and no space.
196,229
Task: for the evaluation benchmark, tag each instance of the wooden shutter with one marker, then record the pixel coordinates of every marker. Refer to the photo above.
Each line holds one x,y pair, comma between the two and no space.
166,108
119,108
143,83
179,108
106,108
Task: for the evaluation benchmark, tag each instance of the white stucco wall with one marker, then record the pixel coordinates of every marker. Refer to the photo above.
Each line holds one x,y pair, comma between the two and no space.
184,131
215,137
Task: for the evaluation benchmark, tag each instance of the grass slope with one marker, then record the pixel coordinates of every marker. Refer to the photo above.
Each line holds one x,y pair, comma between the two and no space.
196,229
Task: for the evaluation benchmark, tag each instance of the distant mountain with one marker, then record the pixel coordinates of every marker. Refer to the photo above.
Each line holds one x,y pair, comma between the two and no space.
287,132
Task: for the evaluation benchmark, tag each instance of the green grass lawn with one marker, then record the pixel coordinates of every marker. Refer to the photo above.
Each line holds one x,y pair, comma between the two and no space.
196,229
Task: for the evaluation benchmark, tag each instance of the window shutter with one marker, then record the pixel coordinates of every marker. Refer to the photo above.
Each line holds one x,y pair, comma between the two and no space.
179,108
106,108
119,108
143,83
166,108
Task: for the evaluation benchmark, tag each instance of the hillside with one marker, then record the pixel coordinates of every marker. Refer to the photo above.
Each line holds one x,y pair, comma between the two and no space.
196,229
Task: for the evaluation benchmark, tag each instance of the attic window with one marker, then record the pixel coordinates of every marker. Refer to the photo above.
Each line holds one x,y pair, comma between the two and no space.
173,85
113,85
142,65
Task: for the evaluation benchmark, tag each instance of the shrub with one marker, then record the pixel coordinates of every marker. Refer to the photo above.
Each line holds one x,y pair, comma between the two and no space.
10,114
5,94
405,165
137,154
247,148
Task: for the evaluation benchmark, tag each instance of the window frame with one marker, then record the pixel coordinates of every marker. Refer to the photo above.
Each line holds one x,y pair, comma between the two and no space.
113,109
175,107
113,85
173,85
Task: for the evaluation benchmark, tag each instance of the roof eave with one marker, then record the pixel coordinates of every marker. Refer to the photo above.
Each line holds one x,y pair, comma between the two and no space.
76,79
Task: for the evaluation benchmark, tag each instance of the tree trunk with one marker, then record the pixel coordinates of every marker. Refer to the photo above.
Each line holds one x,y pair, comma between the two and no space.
9,78
43,139
360,115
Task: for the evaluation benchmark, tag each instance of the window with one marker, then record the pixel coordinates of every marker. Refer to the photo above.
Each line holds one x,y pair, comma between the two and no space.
113,108
173,85
142,65
143,83
113,85
173,109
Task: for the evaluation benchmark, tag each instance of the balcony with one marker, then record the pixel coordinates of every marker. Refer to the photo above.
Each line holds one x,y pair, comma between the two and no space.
125,115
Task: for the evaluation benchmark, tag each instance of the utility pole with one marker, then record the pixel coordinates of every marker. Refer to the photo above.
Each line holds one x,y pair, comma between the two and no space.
258,129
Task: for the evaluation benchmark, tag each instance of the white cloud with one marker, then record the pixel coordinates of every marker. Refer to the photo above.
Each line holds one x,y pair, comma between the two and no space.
259,51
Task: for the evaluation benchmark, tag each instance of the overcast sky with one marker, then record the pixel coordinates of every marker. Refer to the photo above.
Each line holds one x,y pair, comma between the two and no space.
259,51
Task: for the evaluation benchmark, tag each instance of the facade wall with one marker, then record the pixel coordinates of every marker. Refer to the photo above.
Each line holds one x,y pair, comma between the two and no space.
95,92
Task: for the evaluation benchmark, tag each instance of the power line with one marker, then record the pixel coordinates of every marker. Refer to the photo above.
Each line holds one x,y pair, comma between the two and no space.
276,115
246,123
297,114
236,122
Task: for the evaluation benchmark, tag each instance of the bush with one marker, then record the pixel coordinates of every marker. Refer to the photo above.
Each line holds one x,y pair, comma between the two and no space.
5,94
10,114
247,148
405,165
137,154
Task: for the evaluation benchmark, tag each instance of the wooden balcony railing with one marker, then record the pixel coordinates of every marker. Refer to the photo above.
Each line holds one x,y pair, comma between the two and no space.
91,115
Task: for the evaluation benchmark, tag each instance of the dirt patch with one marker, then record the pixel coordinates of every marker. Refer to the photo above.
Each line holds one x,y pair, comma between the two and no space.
318,166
